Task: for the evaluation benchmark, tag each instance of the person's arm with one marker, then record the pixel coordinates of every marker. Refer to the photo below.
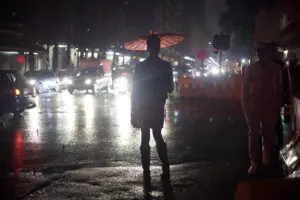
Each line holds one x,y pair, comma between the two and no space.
278,82
134,87
245,86
133,113
170,83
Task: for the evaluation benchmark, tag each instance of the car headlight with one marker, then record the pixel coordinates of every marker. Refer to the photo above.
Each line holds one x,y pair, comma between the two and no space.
67,81
215,71
98,81
121,83
32,82
87,81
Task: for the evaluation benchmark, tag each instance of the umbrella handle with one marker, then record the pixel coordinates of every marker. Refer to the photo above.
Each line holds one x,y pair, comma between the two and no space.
151,32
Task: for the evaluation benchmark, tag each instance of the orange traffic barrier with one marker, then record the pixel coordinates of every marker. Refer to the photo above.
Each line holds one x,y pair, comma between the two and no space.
210,87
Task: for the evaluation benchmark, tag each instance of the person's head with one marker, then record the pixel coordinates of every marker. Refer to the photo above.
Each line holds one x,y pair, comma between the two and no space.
267,53
153,45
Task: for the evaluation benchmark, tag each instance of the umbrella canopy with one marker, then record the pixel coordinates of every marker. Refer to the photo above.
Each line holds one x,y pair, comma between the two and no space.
166,40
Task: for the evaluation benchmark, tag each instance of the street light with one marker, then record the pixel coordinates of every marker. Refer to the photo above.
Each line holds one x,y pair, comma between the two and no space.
243,60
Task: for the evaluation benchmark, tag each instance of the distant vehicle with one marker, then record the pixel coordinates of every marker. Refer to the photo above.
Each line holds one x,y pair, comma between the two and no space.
122,78
43,80
182,71
91,79
65,79
16,93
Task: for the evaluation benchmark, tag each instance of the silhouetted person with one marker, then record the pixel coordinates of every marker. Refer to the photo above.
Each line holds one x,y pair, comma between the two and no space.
152,81
262,99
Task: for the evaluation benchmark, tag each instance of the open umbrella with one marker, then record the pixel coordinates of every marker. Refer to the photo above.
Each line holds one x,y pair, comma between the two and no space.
166,40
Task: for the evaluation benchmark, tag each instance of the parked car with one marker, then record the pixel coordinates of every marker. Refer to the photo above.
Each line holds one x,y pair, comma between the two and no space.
90,79
43,80
16,93
65,79
122,78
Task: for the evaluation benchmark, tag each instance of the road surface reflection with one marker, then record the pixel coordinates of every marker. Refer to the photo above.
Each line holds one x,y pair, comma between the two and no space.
68,129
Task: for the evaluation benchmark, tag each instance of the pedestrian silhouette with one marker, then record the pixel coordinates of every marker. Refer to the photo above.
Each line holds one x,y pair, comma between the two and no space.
152,81
262,100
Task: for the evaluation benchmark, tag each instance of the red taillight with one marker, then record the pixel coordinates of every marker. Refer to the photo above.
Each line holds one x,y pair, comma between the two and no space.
125,74
17,92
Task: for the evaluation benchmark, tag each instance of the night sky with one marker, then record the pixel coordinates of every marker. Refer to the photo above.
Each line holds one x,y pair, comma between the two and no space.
89,22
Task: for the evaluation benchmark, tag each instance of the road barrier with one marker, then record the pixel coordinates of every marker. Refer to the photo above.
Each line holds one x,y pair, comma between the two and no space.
211,87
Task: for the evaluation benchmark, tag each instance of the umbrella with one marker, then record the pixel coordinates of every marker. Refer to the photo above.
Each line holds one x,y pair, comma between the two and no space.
166,40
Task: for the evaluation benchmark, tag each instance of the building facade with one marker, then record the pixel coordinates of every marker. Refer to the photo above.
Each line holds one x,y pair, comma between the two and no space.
281,25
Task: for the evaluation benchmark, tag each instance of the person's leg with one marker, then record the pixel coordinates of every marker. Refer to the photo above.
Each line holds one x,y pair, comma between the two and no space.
254,146
145,156
162,153
145,148
269,135
279,133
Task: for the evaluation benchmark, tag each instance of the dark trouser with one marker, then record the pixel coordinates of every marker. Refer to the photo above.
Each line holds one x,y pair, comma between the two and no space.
279,134
161,150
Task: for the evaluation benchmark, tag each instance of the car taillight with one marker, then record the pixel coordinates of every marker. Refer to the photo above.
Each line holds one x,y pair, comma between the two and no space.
17,92
124,74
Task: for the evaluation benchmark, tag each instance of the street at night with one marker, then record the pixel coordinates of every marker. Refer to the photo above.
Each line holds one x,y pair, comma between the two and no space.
150,100
84,138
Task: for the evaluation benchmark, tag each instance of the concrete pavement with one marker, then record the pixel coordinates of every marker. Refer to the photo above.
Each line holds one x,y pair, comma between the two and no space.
70,136
190,181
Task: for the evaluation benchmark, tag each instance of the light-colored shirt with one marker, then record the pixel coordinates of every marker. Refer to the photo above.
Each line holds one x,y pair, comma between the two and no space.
262,85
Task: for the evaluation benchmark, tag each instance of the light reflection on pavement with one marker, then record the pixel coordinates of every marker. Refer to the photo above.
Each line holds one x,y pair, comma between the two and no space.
69,129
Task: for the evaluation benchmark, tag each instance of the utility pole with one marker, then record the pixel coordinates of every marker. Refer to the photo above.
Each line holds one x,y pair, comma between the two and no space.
220,60
68,59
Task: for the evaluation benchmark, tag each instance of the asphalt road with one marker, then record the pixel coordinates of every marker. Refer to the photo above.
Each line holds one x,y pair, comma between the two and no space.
67,132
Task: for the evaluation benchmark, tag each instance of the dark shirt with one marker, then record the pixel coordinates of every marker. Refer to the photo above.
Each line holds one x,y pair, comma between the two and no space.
295,76
152,80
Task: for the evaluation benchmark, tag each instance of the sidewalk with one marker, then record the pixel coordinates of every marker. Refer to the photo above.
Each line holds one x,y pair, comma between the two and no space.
205,181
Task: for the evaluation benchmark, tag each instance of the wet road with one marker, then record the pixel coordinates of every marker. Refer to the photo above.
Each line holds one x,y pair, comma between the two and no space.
73,131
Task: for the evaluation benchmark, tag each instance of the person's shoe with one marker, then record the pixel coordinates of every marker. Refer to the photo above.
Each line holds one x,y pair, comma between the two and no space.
145,156
273,170
163,156
254,171
147,182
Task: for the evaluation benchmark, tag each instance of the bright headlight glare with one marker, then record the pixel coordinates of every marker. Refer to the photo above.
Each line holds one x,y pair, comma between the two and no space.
215,71
32,82
121,83
88,81
65,80
99,81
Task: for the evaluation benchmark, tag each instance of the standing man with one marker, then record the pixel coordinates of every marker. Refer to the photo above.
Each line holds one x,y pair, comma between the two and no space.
261,100
152,81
